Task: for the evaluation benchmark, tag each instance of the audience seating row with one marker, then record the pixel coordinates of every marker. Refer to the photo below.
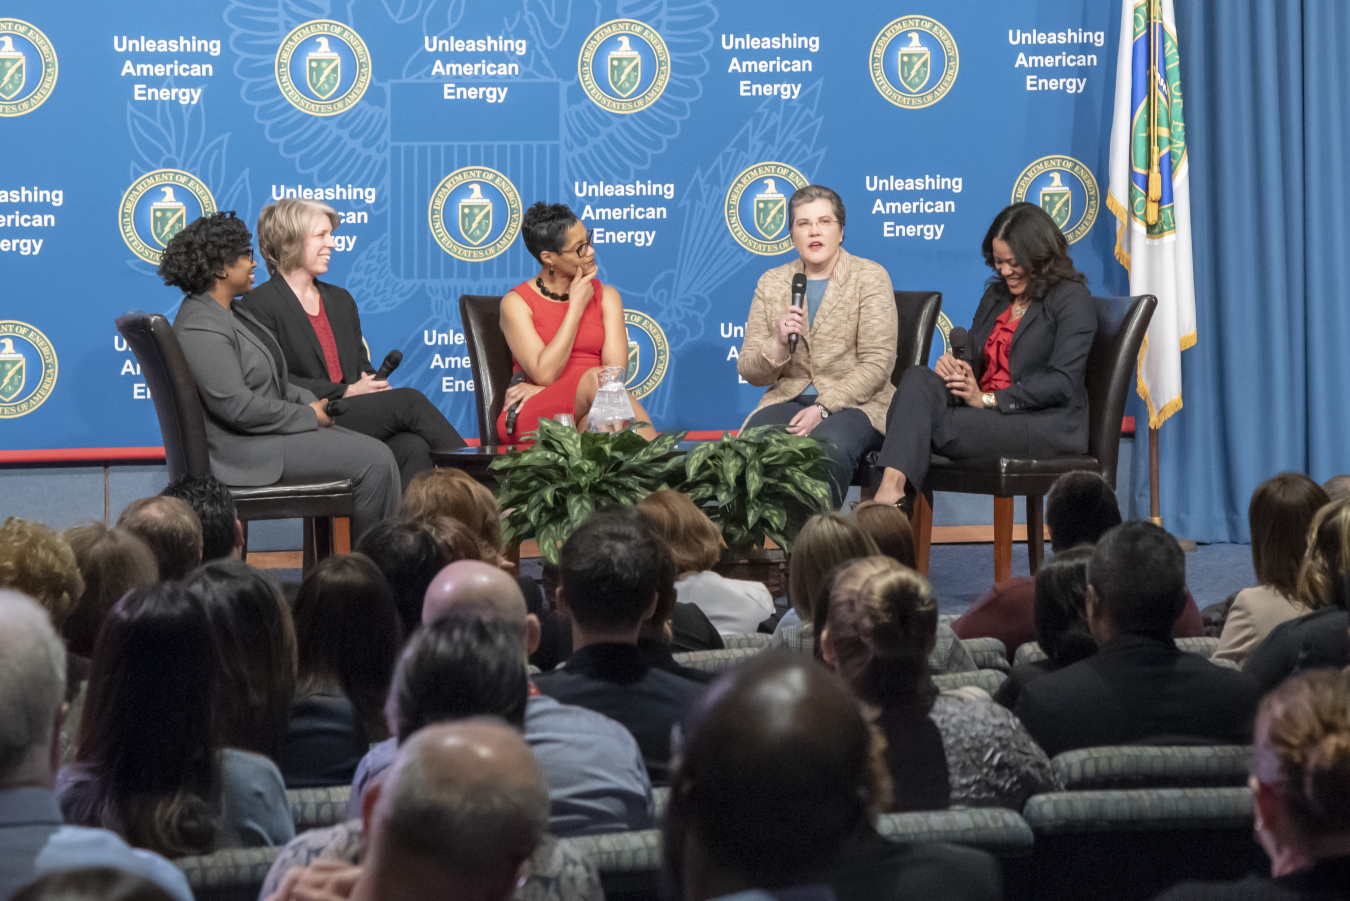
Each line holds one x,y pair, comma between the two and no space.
988,653
1031,651
759,640
988,679
314,808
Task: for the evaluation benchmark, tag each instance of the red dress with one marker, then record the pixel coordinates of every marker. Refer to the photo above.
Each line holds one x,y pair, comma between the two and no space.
561,396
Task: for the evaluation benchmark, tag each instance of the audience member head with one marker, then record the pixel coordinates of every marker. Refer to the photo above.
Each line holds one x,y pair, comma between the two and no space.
888,527
112,562
147,736
611,571
172,530
458,815
210,499
1061,607
1301,770
1136,582
93,884
1337,487
775,770
1079,509
459,542
1279,514
36,561
453,493
880,627
409,554
460,666
1324,576
348,633
827,540
695,543
477,588
32,692
256,640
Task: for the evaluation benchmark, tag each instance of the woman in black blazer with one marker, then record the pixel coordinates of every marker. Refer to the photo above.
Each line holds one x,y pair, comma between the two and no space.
319,330
1022,394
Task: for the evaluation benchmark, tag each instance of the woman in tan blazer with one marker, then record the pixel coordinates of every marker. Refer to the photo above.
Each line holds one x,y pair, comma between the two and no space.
837,384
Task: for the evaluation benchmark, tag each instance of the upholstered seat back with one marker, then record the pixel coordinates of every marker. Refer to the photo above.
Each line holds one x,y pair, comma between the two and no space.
917,314
1122,323
173,391
489,358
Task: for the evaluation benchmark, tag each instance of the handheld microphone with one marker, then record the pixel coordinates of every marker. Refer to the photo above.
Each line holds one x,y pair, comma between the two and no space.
335,407
957,338
389,365
516,379
798,301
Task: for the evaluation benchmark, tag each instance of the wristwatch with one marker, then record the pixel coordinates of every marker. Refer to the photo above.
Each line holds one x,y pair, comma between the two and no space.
989,400
824,413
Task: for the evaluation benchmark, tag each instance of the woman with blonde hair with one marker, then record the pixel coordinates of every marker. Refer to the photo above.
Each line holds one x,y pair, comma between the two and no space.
733,605
880,626
319,330
1319,638
1300,782
825,541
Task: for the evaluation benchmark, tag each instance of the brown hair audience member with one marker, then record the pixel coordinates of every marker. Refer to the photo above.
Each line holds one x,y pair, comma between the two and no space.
409,553
37,561
1061,621
348,632
1300,779
171,527
1318,639
888,527
112,562
880,627
1279,514
453,493
733,605
775,787
94,884
149,765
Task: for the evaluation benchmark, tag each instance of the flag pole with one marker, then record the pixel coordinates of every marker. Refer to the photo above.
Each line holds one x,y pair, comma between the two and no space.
1154,502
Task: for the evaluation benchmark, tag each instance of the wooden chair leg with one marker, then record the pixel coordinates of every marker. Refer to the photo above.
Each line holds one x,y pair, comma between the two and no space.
1035,532
318,540
1003,527
309,554
866,493
342,534
922,527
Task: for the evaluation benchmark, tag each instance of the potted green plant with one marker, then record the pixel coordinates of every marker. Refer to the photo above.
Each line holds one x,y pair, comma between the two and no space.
761,484
553,486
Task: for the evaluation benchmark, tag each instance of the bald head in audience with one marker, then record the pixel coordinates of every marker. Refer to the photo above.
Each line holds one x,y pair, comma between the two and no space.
774,773
171,527
457,816
477,587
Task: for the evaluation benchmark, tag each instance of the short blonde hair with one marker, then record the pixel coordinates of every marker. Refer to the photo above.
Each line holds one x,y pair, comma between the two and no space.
452,493
827,540
37,561
282,229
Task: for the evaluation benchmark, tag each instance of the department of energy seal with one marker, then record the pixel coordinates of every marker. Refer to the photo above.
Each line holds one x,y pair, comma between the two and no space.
914,61
27,67
159,205
648,353
323,67
1064,188
475,213
624,66
759,196
27,369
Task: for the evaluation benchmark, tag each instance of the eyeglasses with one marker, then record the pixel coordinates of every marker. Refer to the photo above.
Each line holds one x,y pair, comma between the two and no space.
250,254
585,248
822,222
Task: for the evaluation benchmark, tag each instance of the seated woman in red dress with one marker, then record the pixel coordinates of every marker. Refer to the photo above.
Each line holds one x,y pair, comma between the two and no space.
563,326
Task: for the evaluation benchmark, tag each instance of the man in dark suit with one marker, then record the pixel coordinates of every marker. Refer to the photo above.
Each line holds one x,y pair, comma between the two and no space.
770,795
610,574
1138,688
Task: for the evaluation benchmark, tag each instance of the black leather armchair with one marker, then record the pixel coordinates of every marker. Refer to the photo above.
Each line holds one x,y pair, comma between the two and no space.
182,423
1122,323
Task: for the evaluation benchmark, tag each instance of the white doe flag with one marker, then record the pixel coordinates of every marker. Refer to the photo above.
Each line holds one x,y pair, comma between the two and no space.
1150,194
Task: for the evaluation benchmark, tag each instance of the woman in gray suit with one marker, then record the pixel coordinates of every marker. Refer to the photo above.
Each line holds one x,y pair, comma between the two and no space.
1022,394
259,427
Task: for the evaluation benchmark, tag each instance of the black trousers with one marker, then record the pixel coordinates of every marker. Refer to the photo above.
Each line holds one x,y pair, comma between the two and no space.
848,434
925,418
407,422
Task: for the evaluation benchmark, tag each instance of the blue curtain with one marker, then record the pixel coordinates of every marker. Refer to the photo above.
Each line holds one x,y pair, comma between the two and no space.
1267,113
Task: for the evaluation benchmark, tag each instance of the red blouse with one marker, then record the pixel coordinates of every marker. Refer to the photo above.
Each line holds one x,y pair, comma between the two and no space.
997,375
326,341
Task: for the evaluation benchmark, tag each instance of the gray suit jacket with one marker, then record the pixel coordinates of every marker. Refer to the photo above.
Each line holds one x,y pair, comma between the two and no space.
249,404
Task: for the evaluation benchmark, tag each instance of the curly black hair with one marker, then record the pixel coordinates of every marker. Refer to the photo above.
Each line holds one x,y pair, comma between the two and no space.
545,227
194,257
1038,246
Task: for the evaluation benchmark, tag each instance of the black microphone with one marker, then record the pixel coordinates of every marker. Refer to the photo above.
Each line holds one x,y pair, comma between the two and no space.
798,301
516,379
957,338
389,365
335,407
